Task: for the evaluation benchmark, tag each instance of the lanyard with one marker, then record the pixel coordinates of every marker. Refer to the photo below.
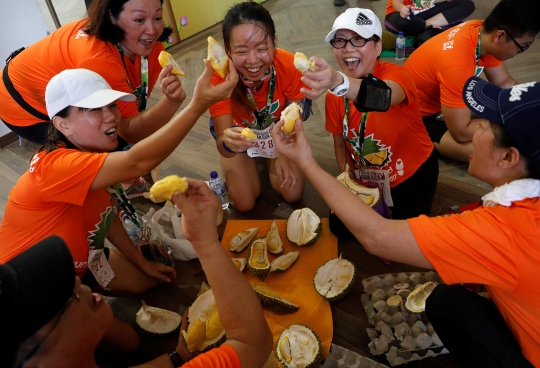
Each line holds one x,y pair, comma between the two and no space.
478,70
262,115
142,91
357,142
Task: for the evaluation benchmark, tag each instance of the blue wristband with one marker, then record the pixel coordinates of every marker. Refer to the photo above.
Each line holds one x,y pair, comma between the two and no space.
226,148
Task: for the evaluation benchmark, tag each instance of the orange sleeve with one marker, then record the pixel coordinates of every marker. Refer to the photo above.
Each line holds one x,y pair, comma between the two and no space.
223,357
334,112
472,247
66,175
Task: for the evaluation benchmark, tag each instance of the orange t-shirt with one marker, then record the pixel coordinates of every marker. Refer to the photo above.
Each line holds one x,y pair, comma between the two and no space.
442,65
397,135
54,198
222,357
68,48
287,88
498,247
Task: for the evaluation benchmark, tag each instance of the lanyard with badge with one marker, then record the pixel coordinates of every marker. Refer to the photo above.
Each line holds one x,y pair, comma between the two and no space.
265,146
378,176
142,91
478,69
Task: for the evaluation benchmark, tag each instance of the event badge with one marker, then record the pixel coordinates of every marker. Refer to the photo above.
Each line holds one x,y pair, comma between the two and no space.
100,267
379,177
265,144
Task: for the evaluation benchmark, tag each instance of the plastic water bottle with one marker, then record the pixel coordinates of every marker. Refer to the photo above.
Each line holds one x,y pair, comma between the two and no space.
400,47
218,187
131,229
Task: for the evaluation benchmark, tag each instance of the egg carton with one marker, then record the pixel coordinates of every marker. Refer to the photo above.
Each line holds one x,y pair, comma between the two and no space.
401,335
340,357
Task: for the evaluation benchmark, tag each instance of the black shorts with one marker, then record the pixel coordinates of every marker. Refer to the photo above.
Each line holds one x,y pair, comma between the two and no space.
88,278
435,128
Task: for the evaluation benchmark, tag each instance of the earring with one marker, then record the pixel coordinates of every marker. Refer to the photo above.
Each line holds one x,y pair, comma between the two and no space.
500,163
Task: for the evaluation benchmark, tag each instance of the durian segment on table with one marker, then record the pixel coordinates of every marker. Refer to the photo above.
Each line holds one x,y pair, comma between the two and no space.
296,283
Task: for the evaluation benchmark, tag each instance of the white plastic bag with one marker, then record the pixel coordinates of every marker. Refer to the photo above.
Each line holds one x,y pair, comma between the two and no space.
182,250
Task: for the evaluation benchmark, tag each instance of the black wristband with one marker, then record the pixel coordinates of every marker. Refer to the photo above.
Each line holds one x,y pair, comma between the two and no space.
175,358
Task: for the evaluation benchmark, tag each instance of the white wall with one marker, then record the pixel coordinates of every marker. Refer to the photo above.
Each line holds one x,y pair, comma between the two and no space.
21,24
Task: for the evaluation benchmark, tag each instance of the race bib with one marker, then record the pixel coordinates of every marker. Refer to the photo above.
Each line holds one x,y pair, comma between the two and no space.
100,267
379,177
265,144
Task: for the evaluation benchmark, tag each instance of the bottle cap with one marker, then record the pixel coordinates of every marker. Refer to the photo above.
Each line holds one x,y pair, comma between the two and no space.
213,175
400,33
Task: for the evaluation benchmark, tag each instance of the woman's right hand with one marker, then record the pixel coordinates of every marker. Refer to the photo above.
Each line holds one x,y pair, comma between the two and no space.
206,94
236,141
405,11
321,80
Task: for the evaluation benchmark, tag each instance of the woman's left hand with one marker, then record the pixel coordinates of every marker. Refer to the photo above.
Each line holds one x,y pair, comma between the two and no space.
158,271
171,86
285,172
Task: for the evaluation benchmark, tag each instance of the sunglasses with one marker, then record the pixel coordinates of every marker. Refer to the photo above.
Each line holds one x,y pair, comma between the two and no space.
521,48
74,296
339,43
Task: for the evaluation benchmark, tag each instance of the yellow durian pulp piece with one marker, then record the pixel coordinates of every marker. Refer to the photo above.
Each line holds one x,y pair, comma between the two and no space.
218,57
289,116
165,188
302,63
195,335
213,325
258,255
241,240
165,59
285,349
248,133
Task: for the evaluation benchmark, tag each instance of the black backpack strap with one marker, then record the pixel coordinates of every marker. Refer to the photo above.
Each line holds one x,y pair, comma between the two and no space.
18,98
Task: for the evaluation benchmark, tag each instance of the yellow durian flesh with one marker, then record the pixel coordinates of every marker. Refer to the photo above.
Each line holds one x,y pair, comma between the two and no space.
273,240
203,309
165,59
285,349
257,261
165,188
241,240
289,115
370,196
213,325
248,133
218,57
299,346
302,63
195,335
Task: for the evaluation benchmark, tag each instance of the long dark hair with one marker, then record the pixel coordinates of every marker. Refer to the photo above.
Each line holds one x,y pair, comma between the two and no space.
55,139
242,13
503,140
100,25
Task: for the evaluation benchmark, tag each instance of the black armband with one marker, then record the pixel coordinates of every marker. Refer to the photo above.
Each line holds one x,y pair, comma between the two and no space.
374,95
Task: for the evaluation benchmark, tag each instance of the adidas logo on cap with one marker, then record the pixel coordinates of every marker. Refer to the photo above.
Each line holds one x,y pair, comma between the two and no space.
363,20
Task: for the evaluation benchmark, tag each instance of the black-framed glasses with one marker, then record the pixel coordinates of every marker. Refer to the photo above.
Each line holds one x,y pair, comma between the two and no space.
339,43
74,296
521,48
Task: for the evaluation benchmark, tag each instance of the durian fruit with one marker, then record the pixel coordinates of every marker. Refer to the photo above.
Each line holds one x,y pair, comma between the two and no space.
240,263
165,188
416,301
299,347
273,301
289,115
157,320
335,278
273,240
371,196
302,63
205,330
257,260
218,57
303,227
388,40
248,133
241,240
165,59
284,262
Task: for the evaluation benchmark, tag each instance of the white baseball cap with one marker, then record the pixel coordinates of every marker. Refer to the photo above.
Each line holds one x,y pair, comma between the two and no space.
362,21
80,88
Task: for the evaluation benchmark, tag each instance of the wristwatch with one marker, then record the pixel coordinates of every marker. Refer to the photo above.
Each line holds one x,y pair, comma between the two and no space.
342,88
175,358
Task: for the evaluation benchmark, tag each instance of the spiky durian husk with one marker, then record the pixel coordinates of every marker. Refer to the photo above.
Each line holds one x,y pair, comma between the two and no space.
257,259
241,240
324,276
273,240
303,227
271,300
284,338
156,320
284,262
